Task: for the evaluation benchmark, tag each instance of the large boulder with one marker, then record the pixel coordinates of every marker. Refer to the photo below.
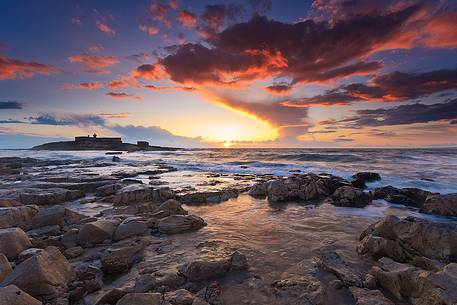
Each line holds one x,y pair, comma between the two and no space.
199,270
334,263
360,179
378,247
55,215
208,197
434,240
120,258
441,205
408,196
168,208
258,190
131,226
179,297
141,299
20,216
42,275
13,241
5,267
180,223
12,295
96,232
50,196
137,193
349,196
159,281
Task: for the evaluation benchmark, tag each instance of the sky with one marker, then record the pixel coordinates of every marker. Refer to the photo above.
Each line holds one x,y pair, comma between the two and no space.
257,73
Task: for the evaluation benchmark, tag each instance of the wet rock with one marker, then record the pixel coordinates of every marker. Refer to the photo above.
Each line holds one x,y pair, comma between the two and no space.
96,232
350,197
199,301
132,226
208,197
299,289
141,299
378,247
200,270
74,252
180,223
159,281
120,258
5,267
13,241
69,239
437,239
111,297
179,297
168,208
441,205
20,216
43,274
137,193
259,190
408,196
369,297
334,263
50,196
12,295
360,179
211,293
56,215
107,190
277,190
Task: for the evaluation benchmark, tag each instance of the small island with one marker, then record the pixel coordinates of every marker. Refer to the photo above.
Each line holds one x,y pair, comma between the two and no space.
100,143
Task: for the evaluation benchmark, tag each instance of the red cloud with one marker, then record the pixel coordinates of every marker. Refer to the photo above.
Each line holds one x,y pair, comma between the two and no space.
95,64
89,86
441,31
150,72
103,27
149,29
187,19
279,88
11,68
123,95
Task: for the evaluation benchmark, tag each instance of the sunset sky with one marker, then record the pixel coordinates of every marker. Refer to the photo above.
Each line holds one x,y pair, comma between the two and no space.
257,73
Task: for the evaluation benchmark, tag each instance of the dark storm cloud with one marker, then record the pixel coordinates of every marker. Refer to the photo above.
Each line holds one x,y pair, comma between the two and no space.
10,105
402,115
395,86
67,119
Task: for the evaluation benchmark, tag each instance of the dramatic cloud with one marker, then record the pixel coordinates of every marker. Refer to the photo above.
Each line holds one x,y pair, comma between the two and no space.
123,95
89,86
187,19
149,72
279,88
93,63
402,115
395,86
67,119
10,105
11,68
140,57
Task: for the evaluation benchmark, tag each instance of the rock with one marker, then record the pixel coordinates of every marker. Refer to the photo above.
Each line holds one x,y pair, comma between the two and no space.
74,252
69,239
208,197
437,239
369,297
96,232
132,226
168,208
111,296
141,299
378,247
180,297
28,253
5,267
12,295
369,281
349,196
107,190
359,179
56,215
137,193
408,196
20,216
50,196
120,258
441,205
299,289
200,270
13,241
43,274
199,301
180,223
258,190
277,190
334,263
159,281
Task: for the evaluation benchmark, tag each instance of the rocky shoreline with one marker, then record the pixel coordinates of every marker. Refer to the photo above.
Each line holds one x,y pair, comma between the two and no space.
70,234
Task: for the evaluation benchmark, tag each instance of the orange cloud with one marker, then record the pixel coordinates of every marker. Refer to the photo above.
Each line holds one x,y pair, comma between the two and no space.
149,29
123,95
441,31
89,86
149,72
109,115
187,19
94,64
11,68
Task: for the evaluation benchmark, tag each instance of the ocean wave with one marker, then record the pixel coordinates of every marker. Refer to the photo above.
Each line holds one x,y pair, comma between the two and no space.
313,157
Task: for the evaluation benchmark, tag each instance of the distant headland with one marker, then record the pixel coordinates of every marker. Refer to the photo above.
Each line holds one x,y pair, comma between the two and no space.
99,143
